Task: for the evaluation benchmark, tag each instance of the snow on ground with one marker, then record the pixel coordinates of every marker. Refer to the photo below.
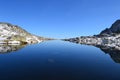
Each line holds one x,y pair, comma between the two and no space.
2,38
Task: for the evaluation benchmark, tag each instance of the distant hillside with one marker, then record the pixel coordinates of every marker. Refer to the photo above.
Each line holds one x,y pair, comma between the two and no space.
9,32
107,36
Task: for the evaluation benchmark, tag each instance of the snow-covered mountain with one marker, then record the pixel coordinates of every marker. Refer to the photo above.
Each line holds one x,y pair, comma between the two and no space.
14,34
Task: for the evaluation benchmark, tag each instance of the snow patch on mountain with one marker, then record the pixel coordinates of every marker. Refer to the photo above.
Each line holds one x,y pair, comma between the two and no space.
9,32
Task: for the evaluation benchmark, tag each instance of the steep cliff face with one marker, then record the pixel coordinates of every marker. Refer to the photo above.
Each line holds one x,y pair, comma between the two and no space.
9,32
114,29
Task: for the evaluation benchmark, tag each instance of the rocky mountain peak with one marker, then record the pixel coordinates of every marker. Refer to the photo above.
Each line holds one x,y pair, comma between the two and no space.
12,33
115,28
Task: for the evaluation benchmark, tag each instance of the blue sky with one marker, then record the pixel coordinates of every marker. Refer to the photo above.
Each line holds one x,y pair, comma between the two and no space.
60,18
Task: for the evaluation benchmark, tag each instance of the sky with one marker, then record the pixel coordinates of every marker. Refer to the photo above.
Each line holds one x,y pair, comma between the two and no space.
60,18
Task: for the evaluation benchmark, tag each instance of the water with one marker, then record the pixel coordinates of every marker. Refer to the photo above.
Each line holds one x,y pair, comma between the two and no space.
57,60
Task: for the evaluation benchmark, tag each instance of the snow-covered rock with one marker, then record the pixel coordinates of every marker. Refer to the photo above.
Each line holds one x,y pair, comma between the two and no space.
13,42
15,34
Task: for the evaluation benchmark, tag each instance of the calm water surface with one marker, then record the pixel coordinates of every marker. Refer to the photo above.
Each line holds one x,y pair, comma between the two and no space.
58,60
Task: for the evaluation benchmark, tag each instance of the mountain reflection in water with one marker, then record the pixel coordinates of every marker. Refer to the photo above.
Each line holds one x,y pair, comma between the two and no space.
114,52
59,60
113,49
4,48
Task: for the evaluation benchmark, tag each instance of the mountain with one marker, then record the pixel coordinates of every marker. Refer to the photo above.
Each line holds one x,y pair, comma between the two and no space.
108,41
114,29
107,36
14,34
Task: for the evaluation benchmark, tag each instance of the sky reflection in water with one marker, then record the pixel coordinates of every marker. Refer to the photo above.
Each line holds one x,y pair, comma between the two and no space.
59,60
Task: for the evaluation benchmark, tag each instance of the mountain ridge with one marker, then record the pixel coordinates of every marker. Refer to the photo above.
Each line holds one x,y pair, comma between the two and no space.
107,36
114,29
10,33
